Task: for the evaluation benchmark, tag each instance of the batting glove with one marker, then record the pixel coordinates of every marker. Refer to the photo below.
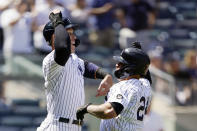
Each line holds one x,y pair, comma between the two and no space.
56,19
81,111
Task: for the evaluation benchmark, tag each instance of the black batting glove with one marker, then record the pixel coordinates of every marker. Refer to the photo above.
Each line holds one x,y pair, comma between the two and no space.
56,19
81,111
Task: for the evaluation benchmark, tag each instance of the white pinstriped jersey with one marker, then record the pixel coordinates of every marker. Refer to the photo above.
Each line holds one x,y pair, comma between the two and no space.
135,96
64,88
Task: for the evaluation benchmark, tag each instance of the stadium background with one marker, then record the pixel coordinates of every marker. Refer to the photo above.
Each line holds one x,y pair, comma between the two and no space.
169,39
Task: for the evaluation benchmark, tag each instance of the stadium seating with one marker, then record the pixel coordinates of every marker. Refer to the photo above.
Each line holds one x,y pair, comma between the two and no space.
17,121
8,128
25,102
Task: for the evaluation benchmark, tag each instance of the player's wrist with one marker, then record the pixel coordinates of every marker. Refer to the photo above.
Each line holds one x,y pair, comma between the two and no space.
86,108
56,19
100,73
109,76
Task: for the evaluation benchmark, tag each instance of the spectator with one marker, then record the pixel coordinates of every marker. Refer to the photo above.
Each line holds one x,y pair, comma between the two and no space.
4,5
183,96
80,12
139,15
31,5
190,60
182,78
102,9
174,67
16,23
120,17
156,57
126,36
41,18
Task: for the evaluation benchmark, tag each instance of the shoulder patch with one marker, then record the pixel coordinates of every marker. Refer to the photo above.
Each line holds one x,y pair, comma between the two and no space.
119,96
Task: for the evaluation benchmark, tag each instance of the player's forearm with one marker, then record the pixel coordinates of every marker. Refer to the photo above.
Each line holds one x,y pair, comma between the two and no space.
97,11
62,46
104,111
61,37
101,10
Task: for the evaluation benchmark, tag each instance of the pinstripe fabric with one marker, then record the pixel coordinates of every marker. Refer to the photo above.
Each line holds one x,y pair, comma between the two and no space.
64,88
131,91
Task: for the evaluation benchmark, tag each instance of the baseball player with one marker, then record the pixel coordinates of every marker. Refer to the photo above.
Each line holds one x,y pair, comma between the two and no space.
128,100
64,74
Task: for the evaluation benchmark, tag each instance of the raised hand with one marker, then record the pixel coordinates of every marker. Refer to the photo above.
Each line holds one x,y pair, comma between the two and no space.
104,86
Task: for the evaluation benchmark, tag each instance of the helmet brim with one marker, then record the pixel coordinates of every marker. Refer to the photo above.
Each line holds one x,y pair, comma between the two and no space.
119,59
74,26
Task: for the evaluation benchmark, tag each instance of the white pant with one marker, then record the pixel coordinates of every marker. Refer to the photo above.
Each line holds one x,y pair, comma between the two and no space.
52,123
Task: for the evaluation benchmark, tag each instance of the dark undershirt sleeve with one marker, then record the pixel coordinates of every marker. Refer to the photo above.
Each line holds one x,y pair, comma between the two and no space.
117,107
62,45
93,71
90,70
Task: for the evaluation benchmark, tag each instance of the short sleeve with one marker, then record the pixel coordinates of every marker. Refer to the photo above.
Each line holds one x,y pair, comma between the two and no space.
120,95
81,66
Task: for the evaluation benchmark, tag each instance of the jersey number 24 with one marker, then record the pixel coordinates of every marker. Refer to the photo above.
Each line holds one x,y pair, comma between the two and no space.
142,109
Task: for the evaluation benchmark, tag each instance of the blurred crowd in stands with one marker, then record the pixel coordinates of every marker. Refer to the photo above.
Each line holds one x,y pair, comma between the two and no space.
166,29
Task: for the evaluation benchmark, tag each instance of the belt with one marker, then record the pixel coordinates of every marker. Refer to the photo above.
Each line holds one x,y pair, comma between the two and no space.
66,120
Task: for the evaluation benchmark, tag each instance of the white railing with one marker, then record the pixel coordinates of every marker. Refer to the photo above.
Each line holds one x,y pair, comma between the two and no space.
163,84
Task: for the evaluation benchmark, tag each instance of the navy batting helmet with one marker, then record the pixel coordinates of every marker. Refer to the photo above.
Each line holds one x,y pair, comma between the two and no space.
135,62
49,29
